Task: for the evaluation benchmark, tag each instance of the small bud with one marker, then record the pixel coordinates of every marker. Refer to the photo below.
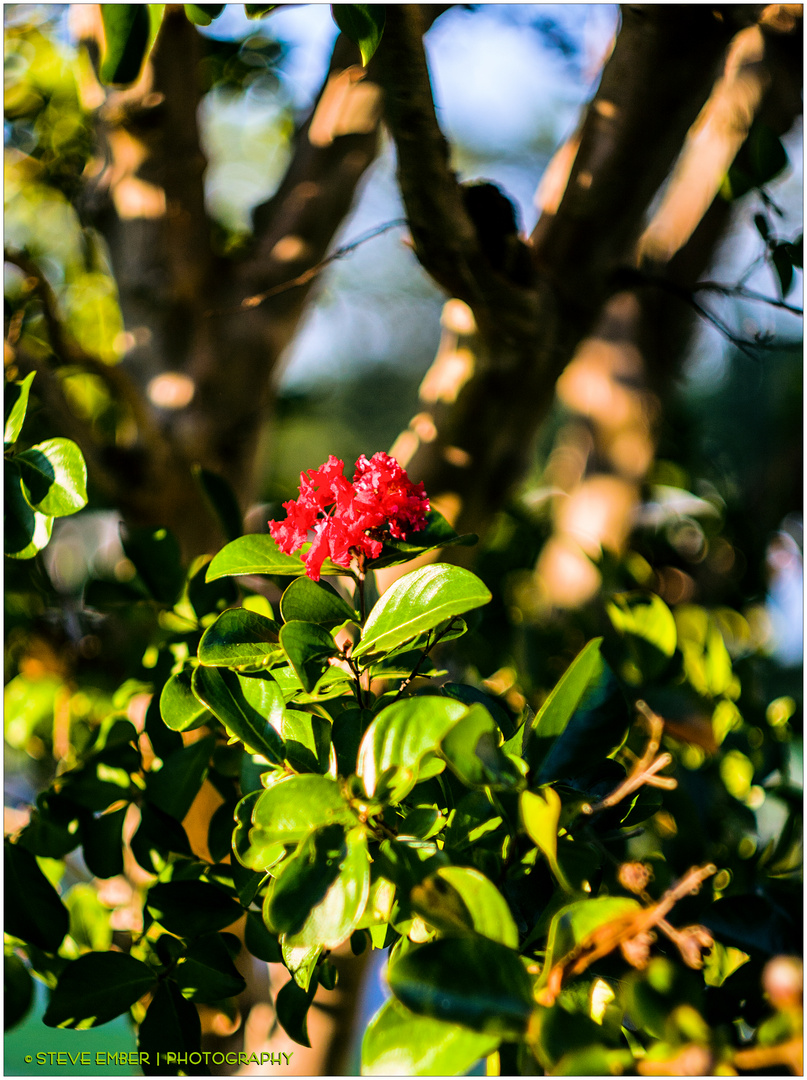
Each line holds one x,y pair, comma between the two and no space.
635,876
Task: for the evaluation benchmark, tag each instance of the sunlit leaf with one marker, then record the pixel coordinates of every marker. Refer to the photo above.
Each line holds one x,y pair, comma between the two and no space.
129,33
54,477
417,602
398,1042
363,24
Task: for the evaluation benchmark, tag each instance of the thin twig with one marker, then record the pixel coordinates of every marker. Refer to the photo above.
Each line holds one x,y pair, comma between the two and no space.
312,272
644,770
745,293
428,648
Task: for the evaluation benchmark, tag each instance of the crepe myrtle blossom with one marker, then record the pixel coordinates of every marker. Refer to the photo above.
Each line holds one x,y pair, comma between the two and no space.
350,519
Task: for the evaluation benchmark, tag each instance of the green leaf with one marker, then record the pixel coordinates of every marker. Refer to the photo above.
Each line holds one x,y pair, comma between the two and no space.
26,531
89,918
215,488
308,647
559,707
598,723
206,973
18,991
156,556
180,708
203,15
54,477
459,900
257,11
252,848
475,982
400,1043
259,941
237,637
33,911
191,908
339,904
177,784
363,24
647,626
437,534
129,33
257,553
248,706
417,602
96,988
398,740
291,808
308,741
101,837
540,812
315,602
301,961
472,750
158,833
171,1025
54,828
15,408
291,1009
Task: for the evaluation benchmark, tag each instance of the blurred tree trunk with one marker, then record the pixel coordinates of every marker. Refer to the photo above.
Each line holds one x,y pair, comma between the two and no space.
470,443
201,360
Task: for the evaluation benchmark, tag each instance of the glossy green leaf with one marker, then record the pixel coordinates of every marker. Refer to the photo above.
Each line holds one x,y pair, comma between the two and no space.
301,960
566,695
475,982
101,837
96,988
26,531
291,808
308,647
291,1008
647,626
158,834
15,408
260,942
401,1043
599,721
472,750
157,559
237,637
248,706
417,602
203,15
191,908
18,991
257,553
459,900
177,783
308,741
315,602
540,812
398,740
253,849
363,24
171,1025
54,827
437,534
129,33
89,918
33,911
54,477
206,972
257,11
332,918
180,709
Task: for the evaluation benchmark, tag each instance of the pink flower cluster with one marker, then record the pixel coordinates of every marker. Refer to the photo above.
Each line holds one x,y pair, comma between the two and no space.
350,519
